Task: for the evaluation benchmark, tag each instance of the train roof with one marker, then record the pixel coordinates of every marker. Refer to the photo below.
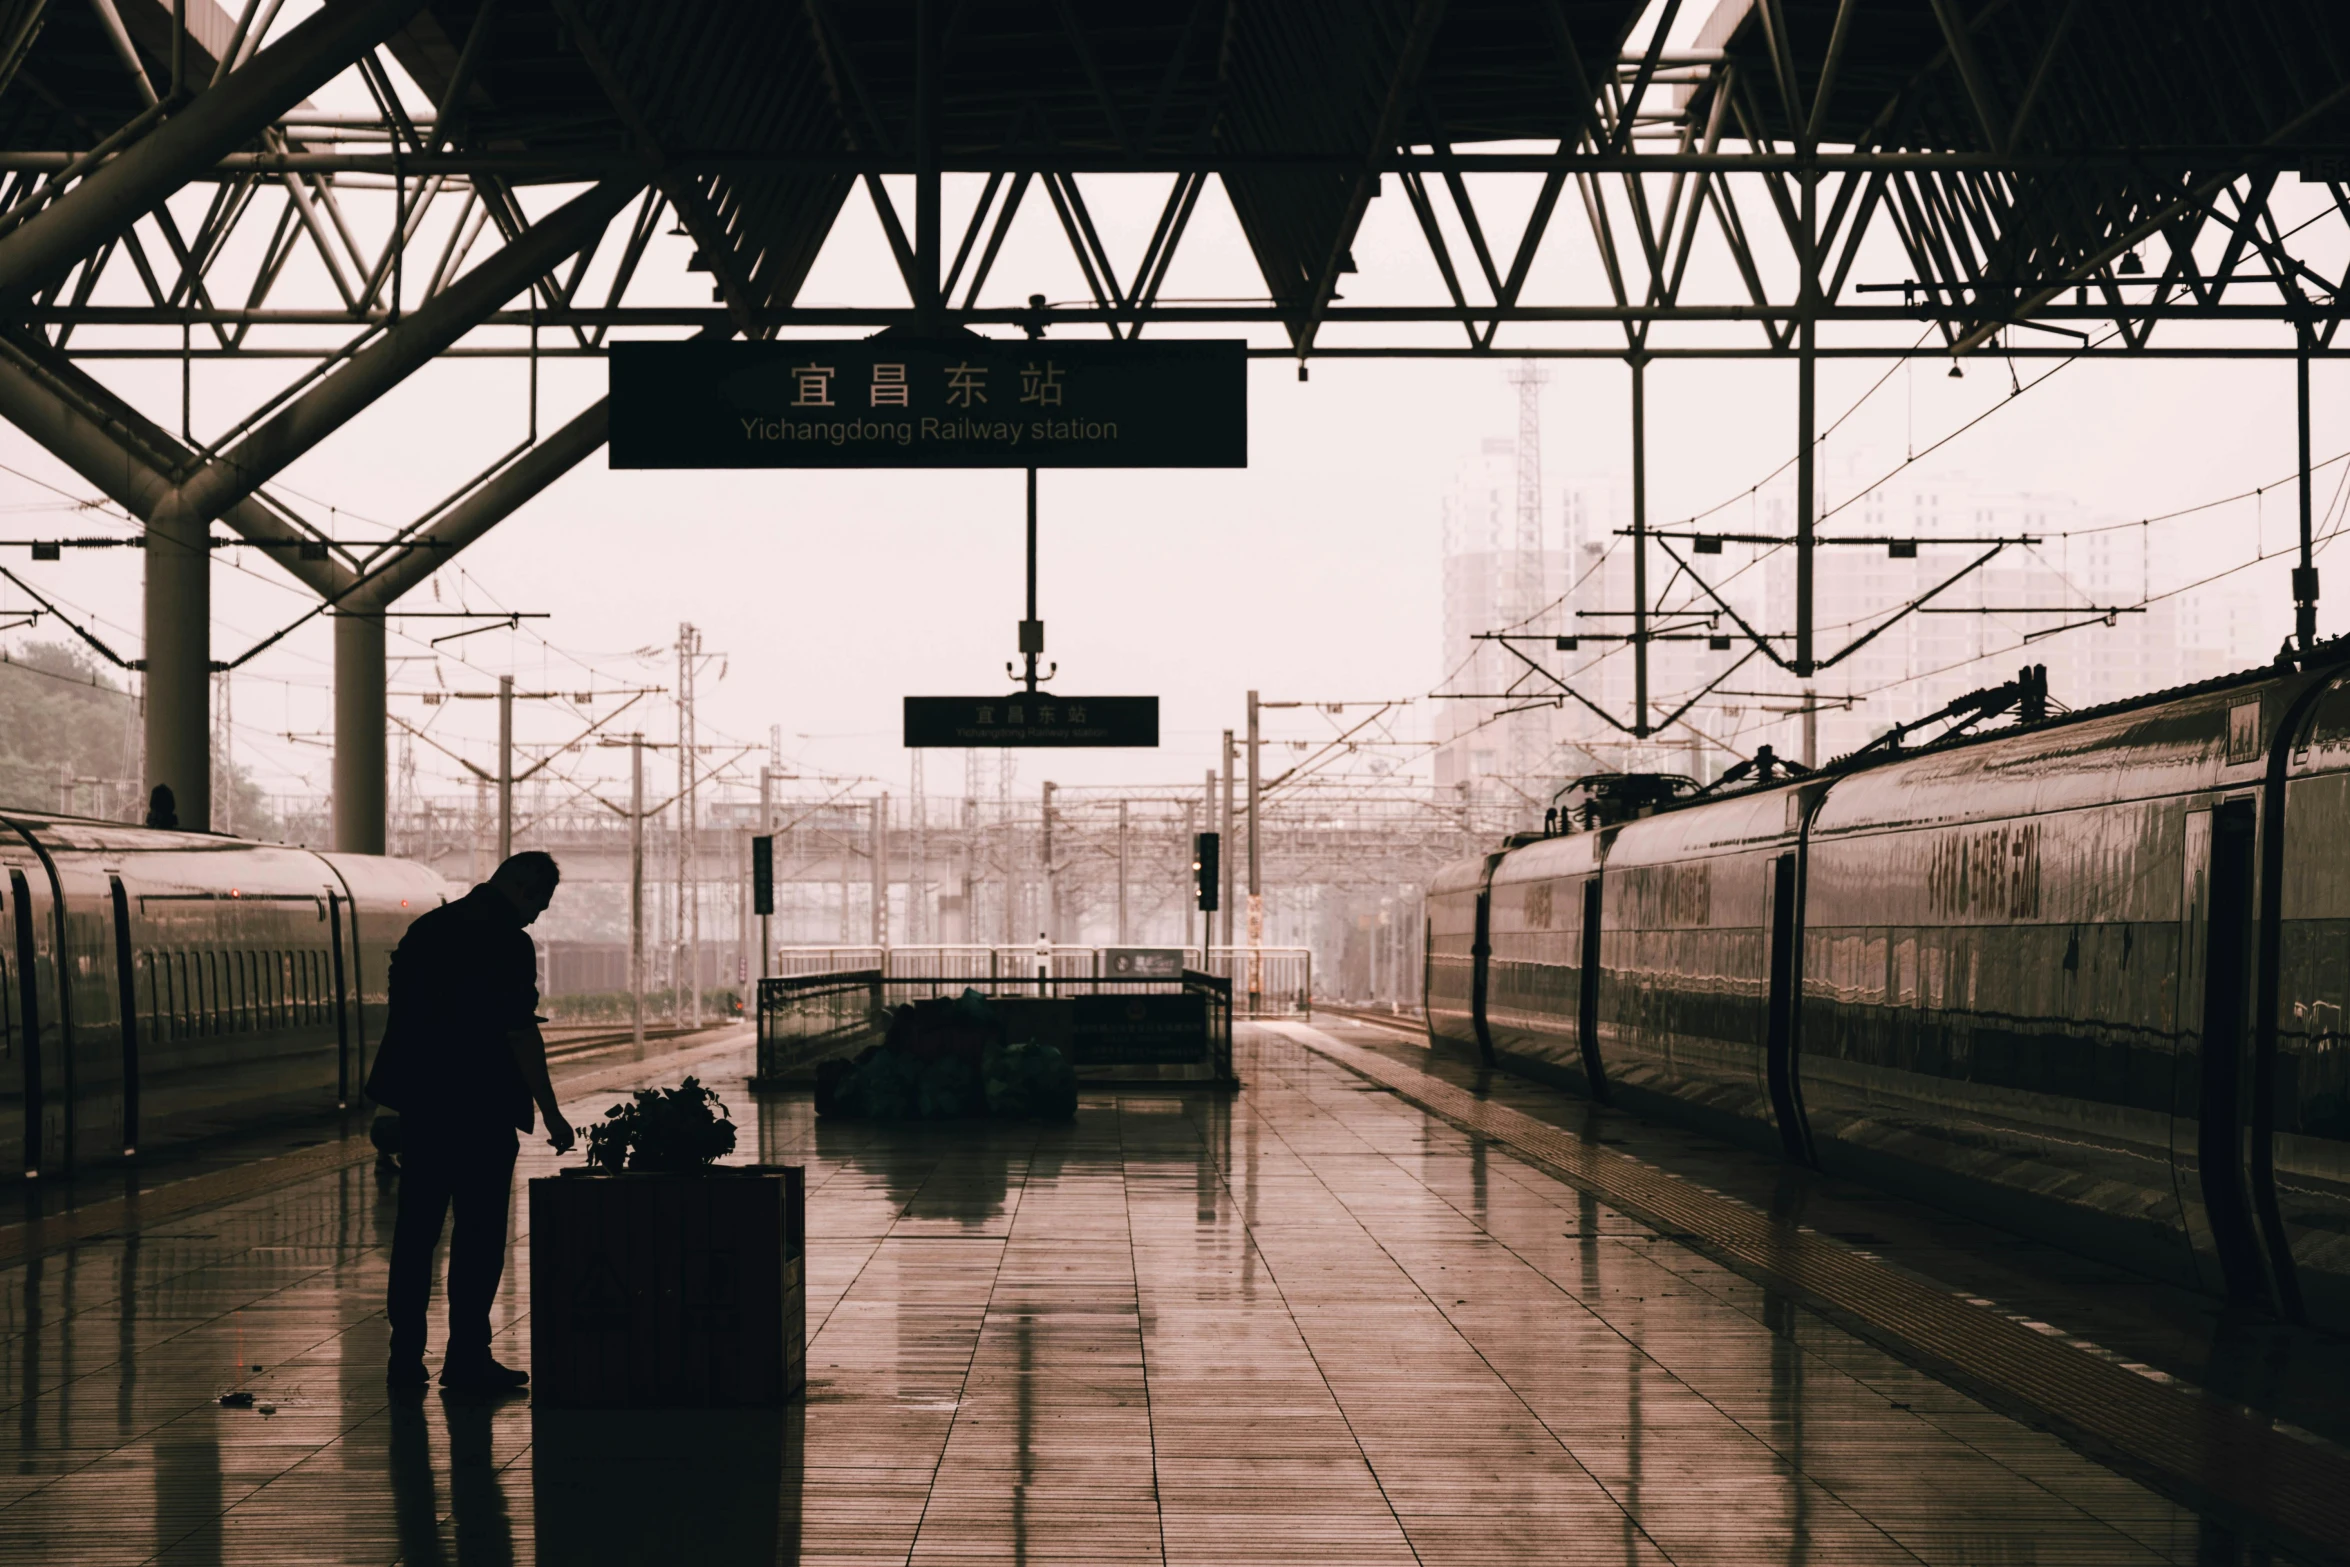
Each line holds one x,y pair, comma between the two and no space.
2327,658
2330,657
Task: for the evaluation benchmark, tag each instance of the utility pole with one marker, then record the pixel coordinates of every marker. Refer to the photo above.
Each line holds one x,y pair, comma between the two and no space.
881,875
689,892
1806,386
224,793
1011,832
918,877
1256,888
1639,546
505,768
1189,898
1231,865
766,825
1048,917
636,883
1122,873
2305,573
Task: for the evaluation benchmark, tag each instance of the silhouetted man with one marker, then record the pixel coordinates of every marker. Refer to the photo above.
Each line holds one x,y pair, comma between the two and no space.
462,1062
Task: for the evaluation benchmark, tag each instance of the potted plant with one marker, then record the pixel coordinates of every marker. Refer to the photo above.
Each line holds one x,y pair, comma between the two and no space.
660,1277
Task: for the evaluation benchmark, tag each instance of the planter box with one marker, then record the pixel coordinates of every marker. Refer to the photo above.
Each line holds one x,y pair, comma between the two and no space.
665,1291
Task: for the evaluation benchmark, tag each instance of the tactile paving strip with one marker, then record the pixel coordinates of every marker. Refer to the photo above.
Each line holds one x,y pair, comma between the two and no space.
2212,1451
89,1220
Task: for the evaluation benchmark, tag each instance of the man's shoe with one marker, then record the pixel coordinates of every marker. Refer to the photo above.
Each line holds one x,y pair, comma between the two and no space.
407,1371
482,1376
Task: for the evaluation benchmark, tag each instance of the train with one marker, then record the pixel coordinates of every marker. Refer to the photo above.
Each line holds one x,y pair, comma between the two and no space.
2080,975
158,988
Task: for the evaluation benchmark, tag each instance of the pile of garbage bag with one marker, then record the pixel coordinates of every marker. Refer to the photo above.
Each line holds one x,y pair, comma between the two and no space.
947,1059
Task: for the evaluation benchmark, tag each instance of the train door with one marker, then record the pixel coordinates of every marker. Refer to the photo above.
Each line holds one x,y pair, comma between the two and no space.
2210,1123
1779,1024
334,942
1587,996
1481,962
127,983
44,1077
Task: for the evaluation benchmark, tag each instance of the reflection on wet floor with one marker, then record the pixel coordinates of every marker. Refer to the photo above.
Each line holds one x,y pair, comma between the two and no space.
1305,1322
2295,1375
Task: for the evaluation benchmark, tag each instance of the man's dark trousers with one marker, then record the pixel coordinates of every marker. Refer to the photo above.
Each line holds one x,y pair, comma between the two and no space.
469,1166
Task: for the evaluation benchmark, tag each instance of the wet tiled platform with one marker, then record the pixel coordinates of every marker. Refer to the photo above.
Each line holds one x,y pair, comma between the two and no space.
1307,1322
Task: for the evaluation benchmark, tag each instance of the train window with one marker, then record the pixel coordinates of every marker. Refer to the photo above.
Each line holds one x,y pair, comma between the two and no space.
210,1002
283,973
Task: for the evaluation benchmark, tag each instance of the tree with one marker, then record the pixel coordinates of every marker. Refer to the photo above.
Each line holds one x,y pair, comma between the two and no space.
69,740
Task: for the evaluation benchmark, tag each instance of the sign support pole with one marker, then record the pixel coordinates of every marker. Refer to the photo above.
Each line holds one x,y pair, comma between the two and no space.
1031,628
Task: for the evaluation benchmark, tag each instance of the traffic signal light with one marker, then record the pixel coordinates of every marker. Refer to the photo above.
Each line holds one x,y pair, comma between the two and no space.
762,875
1206,874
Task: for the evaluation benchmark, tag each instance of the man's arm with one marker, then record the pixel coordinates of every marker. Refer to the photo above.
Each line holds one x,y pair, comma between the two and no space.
530,1056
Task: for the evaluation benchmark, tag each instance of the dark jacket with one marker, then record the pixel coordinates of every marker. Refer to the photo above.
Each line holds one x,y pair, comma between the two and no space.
463,977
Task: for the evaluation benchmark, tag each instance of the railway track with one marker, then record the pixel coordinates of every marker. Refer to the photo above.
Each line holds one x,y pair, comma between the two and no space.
567,1045
1407,1023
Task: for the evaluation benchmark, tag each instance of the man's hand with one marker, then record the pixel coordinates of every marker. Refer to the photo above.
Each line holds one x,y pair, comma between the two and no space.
559,1132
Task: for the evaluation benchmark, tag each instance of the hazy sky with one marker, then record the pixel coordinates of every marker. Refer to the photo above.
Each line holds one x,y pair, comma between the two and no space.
1312,574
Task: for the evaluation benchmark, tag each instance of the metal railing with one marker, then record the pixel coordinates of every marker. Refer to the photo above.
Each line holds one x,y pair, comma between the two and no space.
806,1016
1283,976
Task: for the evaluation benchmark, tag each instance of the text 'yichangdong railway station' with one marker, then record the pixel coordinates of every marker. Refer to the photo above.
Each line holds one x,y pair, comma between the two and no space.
1675,888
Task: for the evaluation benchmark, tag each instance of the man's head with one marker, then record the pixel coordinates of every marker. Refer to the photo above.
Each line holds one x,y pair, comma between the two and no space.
527,881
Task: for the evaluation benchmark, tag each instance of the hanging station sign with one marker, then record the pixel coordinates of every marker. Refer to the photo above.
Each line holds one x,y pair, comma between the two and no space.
1031,719
970,402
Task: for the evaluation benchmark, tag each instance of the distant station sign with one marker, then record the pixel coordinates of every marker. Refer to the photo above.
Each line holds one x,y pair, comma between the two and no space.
1026,719
972,402
1142,963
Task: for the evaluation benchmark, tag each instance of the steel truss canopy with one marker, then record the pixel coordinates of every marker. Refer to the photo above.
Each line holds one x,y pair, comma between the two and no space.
1733,177
2099,167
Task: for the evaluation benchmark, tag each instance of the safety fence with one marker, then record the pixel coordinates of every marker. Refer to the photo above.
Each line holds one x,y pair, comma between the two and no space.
1263,981
1173,1028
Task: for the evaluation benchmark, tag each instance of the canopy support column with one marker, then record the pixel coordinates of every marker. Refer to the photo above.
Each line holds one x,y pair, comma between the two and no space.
360,764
